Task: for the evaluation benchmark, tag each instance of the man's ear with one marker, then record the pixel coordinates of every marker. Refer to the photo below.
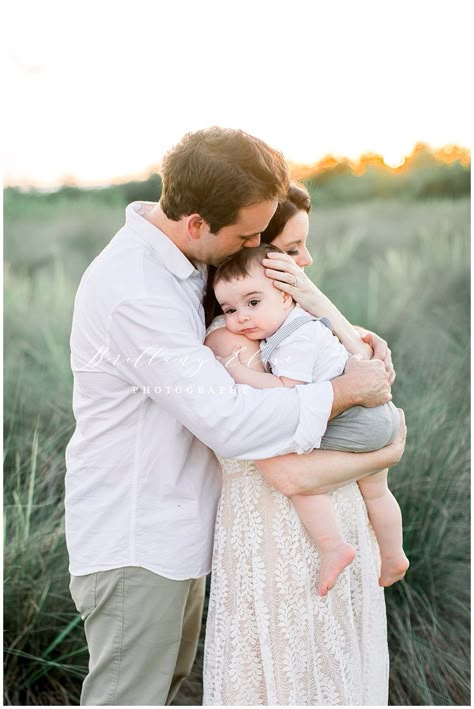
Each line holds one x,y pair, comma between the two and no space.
196,227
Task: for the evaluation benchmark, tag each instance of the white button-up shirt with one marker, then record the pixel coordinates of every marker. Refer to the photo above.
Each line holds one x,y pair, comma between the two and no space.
311,353
151,403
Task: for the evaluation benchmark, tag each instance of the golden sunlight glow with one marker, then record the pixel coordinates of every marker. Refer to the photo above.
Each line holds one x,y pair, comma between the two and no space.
100,100
393,159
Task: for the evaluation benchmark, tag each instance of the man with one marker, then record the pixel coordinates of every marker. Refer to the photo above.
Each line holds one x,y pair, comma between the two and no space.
150,402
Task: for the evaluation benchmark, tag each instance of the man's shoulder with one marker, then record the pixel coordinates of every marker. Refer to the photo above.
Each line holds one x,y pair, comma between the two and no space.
127,269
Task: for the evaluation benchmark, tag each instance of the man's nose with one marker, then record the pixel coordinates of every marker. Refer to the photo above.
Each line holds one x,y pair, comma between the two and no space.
254,241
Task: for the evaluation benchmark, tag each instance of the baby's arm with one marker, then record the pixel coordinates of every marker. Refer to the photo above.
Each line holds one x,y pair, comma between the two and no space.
239,366
243,363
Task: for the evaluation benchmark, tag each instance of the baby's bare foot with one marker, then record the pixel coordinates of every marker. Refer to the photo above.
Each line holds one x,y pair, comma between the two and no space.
333,561
393,569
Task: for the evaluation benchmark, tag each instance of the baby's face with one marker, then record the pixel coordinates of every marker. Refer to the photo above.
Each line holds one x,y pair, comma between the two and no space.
252,305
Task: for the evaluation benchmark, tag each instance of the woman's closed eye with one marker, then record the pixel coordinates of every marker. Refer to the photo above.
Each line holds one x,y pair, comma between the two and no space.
293,252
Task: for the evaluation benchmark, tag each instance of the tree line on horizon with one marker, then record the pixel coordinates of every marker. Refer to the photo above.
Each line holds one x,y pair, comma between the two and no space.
425,173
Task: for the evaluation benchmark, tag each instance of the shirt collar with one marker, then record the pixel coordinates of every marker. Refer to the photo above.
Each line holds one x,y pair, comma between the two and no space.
174,259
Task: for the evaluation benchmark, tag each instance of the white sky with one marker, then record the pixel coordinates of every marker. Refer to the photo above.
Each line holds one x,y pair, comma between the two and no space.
99,89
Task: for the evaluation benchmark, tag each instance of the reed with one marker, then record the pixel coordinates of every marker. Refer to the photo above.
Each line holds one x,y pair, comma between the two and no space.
401,269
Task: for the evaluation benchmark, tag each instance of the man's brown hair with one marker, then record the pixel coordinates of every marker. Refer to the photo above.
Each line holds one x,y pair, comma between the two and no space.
238,265
215,172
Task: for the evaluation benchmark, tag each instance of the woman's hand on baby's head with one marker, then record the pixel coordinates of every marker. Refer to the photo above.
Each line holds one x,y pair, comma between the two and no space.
283,270
290,278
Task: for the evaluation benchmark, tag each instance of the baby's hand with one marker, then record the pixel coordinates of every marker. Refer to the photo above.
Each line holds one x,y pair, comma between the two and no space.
233,359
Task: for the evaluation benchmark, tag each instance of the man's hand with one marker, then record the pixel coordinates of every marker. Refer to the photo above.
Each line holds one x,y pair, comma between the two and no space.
371,381
364,383
381,352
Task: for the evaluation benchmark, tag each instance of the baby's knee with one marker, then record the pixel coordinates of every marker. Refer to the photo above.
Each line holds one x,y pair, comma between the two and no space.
375,486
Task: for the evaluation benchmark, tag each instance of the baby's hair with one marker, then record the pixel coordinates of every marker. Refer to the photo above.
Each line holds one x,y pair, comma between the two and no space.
238,265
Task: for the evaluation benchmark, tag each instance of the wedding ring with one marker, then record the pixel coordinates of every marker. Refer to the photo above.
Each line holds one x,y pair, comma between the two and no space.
295,282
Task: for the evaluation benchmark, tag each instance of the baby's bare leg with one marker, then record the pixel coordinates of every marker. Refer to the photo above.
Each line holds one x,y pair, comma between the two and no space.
386,519
318,516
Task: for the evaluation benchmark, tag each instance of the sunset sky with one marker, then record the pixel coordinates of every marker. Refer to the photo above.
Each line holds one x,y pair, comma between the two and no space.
97,90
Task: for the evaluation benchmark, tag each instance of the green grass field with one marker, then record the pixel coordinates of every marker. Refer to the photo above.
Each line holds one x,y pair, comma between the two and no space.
400,268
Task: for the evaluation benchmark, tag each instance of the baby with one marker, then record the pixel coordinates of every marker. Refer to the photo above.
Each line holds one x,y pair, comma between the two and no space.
299,349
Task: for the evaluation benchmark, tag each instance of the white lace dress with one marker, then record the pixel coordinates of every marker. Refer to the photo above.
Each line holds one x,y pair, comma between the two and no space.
270,639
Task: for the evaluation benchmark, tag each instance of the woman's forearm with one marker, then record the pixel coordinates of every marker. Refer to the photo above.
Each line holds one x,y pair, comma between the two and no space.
322,471
321,306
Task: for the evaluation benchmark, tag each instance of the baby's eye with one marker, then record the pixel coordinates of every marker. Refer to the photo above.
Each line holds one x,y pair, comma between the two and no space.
229,312
254,302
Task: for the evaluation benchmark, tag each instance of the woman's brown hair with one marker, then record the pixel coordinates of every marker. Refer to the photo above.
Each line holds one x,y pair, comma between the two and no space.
297,200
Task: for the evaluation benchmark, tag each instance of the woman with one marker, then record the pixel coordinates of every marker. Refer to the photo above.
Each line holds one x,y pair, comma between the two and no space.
270,638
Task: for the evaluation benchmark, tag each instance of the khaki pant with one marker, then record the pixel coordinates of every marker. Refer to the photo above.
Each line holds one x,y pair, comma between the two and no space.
142,632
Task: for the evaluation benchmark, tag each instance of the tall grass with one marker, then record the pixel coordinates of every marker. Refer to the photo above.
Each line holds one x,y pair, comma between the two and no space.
405,273
42,647
400,269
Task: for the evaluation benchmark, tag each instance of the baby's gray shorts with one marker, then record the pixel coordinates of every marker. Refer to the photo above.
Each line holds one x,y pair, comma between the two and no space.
362,429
